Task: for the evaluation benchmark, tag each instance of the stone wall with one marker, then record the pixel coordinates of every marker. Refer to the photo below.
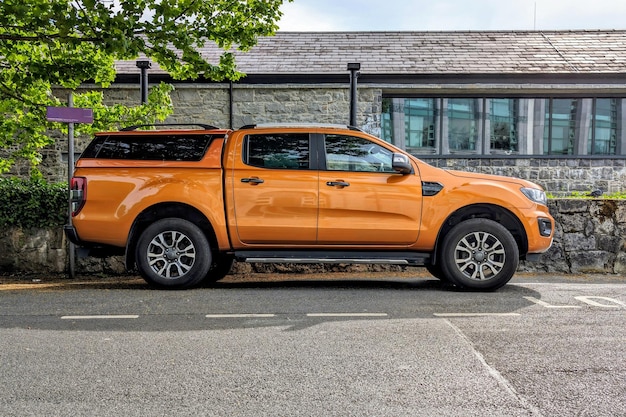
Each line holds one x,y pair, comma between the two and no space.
590,237
210,103
33,251
556,175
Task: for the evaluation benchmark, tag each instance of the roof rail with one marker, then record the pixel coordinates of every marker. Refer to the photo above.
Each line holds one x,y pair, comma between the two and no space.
201,125
298,124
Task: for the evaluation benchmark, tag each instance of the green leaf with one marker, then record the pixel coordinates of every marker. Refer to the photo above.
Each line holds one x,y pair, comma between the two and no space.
48,44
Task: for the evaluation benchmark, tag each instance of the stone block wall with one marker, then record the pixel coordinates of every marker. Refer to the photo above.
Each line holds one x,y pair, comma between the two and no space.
590,237
210,103
33,251
557,175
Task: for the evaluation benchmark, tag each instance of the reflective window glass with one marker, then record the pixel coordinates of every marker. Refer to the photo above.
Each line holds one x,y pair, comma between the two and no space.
411,123
153,147
560,126
349,153
501,125
503,120
463,120
420,124
603,129
278,151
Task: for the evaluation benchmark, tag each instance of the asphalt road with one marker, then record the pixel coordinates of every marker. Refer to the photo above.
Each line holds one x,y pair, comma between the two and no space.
344,345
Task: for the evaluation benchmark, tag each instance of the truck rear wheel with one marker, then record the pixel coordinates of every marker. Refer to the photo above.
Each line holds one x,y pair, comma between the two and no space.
173,253
479,254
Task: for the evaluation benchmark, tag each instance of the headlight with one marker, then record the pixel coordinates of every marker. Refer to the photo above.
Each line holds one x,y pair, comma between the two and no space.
536,195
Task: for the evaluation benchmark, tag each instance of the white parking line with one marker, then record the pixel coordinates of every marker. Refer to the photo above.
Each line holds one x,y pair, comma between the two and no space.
475,314
546,305
589,300
269,315
119,316
347,314
238,316
508,386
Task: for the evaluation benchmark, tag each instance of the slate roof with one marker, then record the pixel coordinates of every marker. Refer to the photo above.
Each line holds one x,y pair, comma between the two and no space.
455,52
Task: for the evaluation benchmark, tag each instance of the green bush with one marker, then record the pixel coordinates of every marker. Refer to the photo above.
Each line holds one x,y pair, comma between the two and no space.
32,203
620,195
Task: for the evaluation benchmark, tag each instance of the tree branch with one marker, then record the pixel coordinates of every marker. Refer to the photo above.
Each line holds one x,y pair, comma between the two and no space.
34,38
87,17
9,93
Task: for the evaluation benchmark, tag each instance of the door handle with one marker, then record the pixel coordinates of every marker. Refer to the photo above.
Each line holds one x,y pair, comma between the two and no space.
252,180
337,184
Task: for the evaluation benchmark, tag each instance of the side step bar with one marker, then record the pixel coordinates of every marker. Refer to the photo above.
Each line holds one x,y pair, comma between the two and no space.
331,257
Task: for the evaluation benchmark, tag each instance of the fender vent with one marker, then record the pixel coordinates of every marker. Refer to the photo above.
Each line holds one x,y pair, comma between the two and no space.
431,188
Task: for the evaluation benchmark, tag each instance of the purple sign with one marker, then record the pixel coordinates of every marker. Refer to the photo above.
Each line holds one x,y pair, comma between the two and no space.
69,115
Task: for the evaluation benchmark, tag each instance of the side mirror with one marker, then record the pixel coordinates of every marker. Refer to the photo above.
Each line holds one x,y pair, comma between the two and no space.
401,163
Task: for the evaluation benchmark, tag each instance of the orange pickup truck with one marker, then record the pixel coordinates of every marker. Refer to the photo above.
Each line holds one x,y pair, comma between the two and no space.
183,204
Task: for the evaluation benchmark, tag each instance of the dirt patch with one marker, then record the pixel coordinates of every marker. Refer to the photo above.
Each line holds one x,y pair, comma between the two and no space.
11,282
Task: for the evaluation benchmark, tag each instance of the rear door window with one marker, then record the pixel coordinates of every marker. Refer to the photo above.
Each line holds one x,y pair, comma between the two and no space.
278,151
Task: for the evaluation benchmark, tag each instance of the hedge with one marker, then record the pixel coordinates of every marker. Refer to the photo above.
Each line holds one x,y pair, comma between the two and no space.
32,203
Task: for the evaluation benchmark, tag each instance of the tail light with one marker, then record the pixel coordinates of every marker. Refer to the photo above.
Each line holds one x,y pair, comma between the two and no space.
78,194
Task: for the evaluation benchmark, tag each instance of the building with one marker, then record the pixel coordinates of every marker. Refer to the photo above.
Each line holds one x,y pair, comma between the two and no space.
543,105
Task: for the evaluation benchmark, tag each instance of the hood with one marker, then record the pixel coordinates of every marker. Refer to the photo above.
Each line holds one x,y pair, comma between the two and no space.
490,177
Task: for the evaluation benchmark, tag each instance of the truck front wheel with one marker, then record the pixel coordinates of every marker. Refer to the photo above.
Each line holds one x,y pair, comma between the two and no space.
479,254
173,253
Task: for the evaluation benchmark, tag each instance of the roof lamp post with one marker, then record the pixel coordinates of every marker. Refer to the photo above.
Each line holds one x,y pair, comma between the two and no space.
143,79
354,68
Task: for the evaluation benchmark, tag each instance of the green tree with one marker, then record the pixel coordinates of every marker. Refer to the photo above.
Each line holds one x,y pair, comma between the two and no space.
49,46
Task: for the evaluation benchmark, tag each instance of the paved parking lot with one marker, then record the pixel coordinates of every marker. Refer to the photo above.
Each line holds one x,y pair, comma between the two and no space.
294,345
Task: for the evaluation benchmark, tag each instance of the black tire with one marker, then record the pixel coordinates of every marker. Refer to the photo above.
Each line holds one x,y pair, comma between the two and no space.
479,254
221,266
173,253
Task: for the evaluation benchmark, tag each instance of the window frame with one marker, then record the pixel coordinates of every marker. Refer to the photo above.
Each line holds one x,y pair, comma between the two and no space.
530,141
